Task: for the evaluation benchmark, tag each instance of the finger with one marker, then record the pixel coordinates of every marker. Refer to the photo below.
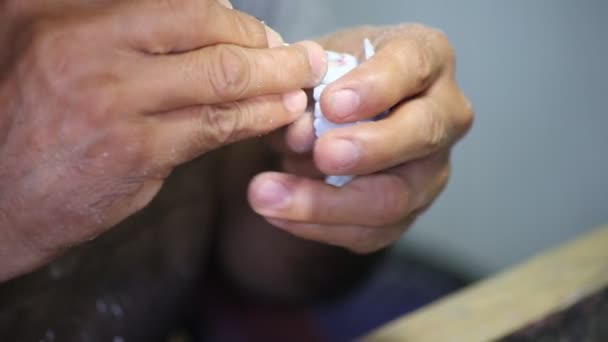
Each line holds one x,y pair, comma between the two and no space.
300,136
414,129
295,140
160,27
182,135
225,73
402,68
374,200
359,239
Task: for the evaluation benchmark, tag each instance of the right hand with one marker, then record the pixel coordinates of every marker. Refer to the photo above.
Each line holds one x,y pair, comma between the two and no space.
99,101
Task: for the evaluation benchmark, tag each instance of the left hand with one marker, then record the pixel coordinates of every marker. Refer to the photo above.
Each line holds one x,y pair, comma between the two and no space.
403,159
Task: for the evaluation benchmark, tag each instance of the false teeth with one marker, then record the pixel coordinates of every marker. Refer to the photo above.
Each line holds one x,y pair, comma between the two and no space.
339,64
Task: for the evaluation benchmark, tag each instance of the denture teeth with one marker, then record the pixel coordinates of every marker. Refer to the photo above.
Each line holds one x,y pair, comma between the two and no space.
339,64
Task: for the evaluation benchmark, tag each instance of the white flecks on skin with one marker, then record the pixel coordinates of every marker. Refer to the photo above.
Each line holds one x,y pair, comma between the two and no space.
105,154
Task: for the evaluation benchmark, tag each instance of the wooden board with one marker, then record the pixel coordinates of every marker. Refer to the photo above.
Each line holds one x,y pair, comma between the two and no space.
518,303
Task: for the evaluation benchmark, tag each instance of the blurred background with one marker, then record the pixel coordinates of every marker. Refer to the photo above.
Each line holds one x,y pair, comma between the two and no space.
533,172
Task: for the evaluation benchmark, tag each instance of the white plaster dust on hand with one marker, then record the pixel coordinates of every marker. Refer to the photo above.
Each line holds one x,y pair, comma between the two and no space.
338,65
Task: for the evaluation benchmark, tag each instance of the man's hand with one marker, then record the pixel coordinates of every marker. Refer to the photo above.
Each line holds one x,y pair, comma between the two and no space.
404,158
99,101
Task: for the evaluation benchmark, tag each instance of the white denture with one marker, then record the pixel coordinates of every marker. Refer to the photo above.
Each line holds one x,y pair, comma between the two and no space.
338,65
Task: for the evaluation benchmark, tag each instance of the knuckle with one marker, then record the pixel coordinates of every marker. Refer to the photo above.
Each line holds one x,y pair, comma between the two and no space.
422,72
418,44
50,47
444,176
250,28
437,35
442,41
467,117
230,73
158,42
303,68
54,61
218,126
415,59
433,131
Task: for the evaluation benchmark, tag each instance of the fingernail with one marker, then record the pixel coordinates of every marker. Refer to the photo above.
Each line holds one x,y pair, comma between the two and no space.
343,103
295,101
273,195
317,59
344,154
273,37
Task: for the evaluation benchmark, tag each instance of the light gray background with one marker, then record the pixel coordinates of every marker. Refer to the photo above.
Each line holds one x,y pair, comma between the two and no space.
533,172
